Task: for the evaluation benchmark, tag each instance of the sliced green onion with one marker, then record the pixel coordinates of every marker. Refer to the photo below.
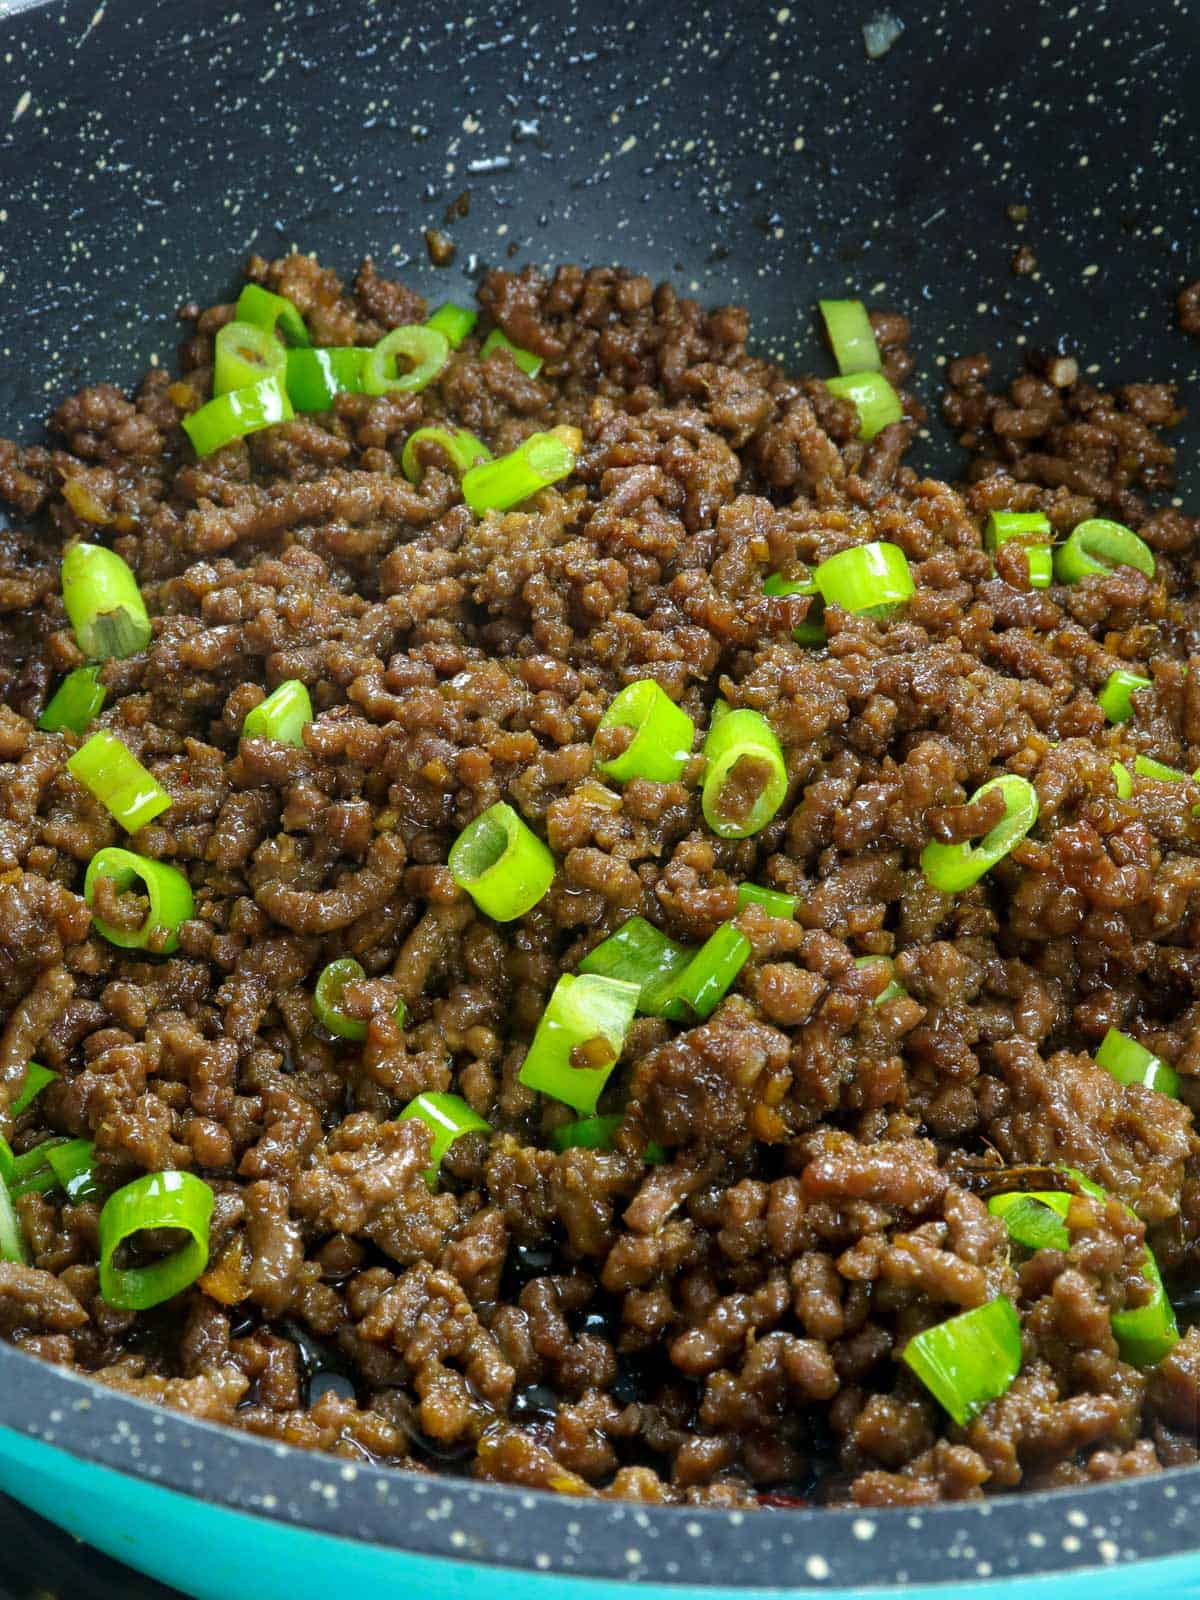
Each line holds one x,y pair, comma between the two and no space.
811,632
266,310
498,485
699,988
876,401
315,377
1030,527
448,1117
639,953
954,867
463,450
596,1133
244,354
32,1173
159,1200
119,781
745,780
1145,1334
1034,1220
773,901
75,702
453,322
1040,560
104,603
501,863
166,888
894,989
1147,767
1116,696
1123,780
73,1165
327,999
970,1359
12,1240
525,359
238,413
1130,1062
282,716
36,1079
868,579
1097,547
424,348
1033,530
851,336
579,1039
662,741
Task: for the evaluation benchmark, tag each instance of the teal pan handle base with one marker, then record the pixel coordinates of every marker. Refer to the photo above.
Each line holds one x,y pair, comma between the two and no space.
213,1553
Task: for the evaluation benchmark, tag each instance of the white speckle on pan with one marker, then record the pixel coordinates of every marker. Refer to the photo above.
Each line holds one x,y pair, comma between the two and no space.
692,1529
817,1567
863,1528
1090,272
633,1557
1071,1544
1036,1540
22,106
542,1560
1107,1551
1077,1518
983,1569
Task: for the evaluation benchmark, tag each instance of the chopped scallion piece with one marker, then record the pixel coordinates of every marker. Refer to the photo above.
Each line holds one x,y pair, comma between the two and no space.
73,1165
282,716
894,989
697,990
970,1359
36,1079
165,887
955,867
773,901
1097,547
237,414
158,1200
579,1039
501,863
811,632
543,459
328,999
871,580
78,698
1116,697
12,1239
462,449
104,603
1040,560
661,745
851,336
1147,767
525,359
244,354
448,1117
271,311
454,322
1123,780
315,377
119,781
596,1133
639,953
1146,1333
876,402
1034,1220
31,1173
1130,1062
1030,527
745,780
425,349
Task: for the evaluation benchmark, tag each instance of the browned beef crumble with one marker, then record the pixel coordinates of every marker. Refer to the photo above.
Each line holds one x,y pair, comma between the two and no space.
724,1327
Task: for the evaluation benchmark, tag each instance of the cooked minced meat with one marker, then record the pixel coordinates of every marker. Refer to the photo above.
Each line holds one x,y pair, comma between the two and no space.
724,1326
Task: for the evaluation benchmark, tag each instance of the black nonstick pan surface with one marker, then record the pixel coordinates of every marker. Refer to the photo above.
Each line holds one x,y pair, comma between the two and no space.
749,152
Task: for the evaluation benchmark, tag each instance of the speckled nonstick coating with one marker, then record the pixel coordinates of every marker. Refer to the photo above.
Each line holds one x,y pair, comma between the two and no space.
749,152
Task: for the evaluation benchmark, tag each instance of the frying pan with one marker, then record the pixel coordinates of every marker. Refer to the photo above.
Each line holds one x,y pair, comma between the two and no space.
749,152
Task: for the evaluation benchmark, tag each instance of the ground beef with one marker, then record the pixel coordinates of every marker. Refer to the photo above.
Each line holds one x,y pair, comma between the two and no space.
722,1323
